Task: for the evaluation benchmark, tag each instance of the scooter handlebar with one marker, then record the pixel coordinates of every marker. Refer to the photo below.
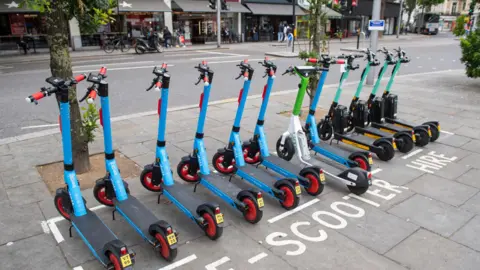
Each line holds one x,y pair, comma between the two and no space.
33,98
57,83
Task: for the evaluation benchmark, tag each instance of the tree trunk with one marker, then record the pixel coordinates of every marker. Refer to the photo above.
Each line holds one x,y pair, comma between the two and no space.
409,17
317,46
61,66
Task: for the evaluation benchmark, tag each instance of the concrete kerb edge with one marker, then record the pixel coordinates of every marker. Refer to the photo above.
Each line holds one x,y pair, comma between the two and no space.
53,131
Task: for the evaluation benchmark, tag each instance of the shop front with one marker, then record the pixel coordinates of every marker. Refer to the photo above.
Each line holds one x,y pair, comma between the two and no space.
302,22
266,18
198,22
17,23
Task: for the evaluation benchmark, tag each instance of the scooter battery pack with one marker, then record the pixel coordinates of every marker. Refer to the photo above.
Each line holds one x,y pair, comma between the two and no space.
340,121
360,114
391,106
377,110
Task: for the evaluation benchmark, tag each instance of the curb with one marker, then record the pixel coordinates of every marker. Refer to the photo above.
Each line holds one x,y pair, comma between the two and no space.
53,131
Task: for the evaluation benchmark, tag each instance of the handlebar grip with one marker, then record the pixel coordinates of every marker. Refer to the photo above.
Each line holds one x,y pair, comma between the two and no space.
103,71
91,97
340,62
36,96
80,77
312,60
158,85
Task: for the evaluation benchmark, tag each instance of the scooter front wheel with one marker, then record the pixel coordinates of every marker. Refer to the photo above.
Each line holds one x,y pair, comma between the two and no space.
146,180
285,150
325,130
252,214
290,200
184,171
250,156
422,137
165,251
362,162
100,193
435,132
211,228
63,205
221,165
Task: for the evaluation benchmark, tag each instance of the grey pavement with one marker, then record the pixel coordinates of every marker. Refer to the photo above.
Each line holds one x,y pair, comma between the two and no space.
416,215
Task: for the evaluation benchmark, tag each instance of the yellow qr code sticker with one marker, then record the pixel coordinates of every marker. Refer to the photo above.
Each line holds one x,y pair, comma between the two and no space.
298,190
219,218
322,177
260,202
172,239
394,145
126,261
438,127
414,138
370,161
429,133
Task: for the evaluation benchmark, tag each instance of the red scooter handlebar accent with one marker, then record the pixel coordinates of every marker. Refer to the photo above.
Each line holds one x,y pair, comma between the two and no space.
80,78
103,71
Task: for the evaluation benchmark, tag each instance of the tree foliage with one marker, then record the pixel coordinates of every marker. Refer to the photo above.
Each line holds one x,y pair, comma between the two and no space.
471,53
459,29
410,6
429,3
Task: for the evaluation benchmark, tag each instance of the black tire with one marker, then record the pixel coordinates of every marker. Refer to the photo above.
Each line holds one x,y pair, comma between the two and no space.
165,251
251,202
422,137
357,190
214,232
292,200
350,124
404,143
435,132
247,154
125,46
144,179
286,151
109,47
63,204
325,130
138,50
387,152
183,168
99,193
226,169
316,185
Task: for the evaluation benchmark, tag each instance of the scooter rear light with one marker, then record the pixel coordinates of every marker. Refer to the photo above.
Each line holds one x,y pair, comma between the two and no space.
321,171
123,251
369,155
217,210
297,184
169,230
369,175
259,195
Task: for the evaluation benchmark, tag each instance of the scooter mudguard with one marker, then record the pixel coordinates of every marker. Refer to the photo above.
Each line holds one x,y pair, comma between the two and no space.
285,181
356,176
193,162
160,226
247,193
114,247
400,133
310,168
364,154
388,140
436,123
207,206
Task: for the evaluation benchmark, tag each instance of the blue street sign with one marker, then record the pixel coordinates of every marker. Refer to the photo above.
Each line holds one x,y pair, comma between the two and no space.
378,25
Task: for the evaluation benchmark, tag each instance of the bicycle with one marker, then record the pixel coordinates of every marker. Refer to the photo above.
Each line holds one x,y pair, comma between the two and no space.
116,44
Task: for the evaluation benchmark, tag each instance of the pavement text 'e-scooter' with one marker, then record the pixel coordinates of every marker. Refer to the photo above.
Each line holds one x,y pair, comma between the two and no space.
102,242
335,123
230,160
194,168
112,191
256,149
359,111
157,177
377,108
296,140
391,101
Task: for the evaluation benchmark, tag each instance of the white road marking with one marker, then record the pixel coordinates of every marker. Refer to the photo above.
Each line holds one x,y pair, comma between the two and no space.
434,68
45,227
40,126
122,68
211,52
97,207
376,171
293,211
213,265
257,258
180,54
448,132
419,66
5,67
56,233
411,154
113,64
235,61
101,59
351,195
9,244
180,262
78,268
219,57
454,60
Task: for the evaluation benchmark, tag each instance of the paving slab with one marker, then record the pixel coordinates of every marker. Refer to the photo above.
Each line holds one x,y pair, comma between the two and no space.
28,194
473,133
471,160
469,235
134,149
433,215
473,204
455,140
15,178
470,178
3,195
426,250
443,190
37,252
396,173
19,222
473,145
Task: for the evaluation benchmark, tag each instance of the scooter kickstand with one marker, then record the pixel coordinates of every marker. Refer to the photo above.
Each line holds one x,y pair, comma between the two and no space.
113,214
70,230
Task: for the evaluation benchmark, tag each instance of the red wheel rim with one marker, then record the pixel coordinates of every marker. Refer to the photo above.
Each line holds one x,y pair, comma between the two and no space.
314,186
251,213
147,180
249,159
211,229
102,196
289,197
164,248
222,168
61,208
361,163
186,175
115,262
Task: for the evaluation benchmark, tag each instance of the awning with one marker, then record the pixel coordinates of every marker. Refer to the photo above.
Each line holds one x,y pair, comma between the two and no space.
331,14
10,6
142,6
274,9
192,6
236,7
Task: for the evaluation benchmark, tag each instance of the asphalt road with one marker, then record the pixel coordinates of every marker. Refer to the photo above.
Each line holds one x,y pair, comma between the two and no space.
130,74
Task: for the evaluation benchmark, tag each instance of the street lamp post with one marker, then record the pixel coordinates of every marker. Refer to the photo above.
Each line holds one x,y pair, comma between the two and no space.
219,33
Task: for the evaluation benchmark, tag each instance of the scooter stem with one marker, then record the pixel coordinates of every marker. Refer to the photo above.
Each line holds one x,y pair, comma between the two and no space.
379,79
394,73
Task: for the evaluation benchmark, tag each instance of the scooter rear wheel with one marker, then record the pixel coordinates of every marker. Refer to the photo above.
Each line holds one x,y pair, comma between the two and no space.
253,214
291,201
404,143
423,138
115,261
325,130
387,152
287,150
435,132
167,253
212,230
357,190
183,170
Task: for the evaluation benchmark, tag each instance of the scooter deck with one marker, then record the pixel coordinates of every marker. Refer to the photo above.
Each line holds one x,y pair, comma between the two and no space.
137,213
374,131
222,184
258,174
389,127
288,166
94,232
401,123
332,149
185,196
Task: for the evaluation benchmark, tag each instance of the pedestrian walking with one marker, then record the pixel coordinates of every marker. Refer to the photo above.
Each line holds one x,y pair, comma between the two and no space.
280,32
285,26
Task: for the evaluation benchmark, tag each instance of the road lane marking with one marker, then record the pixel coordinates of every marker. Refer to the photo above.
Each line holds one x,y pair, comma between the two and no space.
235,61
78,268
376,171
39,126
411,154
221,53
293,211
257,258
101,59
351,195
213,265
180,262
112,64
122,68
219,57
447,132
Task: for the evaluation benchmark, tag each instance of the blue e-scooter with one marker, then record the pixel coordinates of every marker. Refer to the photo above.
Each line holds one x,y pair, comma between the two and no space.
230,161
102,242
112,191
194,168
256,149
157,177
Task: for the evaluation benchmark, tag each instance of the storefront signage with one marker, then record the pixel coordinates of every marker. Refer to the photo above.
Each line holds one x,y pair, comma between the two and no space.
378,25
17,24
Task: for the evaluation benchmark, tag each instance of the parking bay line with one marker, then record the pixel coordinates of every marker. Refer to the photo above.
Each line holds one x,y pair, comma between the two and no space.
180,262
413,153
257,258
